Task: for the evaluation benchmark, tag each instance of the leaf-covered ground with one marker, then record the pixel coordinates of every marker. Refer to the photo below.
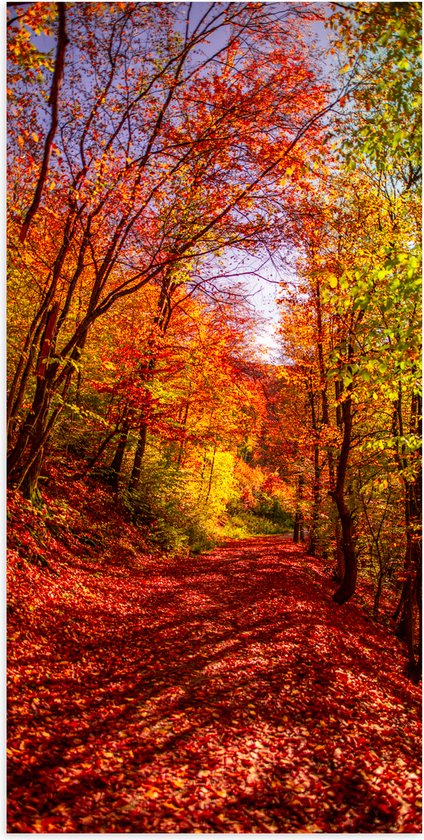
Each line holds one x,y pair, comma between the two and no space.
219,694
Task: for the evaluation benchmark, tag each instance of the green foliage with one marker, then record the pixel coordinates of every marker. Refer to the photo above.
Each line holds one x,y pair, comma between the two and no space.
382,42
174,505
162,505
185,510
271,508
248,524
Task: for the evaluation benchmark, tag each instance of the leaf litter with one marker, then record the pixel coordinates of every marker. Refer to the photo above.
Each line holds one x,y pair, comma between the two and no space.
219,694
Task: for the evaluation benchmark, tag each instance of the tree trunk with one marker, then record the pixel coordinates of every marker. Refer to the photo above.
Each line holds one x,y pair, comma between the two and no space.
211,473
312,550
116,465
298,530
25,458
20,379
296,527
340,564
134,482
325,413
348,584
409,611
29,483
183,434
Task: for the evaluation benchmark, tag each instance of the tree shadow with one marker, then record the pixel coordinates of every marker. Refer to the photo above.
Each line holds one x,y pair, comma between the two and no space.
234,648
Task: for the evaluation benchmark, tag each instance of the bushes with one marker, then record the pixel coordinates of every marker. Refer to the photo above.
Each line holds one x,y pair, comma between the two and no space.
183,511
246,524
169,502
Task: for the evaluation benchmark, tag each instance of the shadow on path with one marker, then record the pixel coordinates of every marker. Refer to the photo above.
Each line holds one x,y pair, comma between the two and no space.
226,693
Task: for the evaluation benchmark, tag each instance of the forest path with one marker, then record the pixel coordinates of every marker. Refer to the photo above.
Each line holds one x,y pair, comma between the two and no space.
225,693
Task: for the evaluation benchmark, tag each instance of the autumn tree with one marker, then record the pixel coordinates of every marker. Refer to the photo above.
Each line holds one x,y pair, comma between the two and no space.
353,322
168,127
383,48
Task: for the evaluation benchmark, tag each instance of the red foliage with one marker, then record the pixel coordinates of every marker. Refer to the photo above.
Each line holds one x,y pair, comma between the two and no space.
225,693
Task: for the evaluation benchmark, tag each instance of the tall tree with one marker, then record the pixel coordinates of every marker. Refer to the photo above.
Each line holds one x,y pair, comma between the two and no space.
155,162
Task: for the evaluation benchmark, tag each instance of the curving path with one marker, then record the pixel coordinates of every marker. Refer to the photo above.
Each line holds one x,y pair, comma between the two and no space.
220,694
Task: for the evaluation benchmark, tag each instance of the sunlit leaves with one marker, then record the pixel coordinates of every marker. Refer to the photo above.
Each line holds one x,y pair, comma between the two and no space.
383,42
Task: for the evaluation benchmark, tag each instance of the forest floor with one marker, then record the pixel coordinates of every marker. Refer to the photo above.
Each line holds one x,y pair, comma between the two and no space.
225,693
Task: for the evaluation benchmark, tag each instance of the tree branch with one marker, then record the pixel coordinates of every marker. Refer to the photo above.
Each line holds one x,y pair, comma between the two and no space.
62,41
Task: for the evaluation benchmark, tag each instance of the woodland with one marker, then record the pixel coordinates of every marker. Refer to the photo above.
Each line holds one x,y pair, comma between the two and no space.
214,550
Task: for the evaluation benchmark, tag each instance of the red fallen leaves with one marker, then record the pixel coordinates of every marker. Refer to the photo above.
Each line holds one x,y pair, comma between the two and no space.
221,694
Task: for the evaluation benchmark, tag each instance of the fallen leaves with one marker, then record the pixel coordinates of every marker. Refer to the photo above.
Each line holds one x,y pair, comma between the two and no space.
216,694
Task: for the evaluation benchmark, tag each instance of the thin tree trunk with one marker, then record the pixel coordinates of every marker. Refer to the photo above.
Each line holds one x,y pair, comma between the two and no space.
340,564
211,473
378,592
134,482
348,584
23,370
409,611
183,434
312,550
116,465
298,517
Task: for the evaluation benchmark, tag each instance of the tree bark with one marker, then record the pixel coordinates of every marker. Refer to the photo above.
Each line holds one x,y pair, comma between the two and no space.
408,615
211,473
116,465
134,482
312,550
348,584
340,564
183,434
62,41
298,532
409,612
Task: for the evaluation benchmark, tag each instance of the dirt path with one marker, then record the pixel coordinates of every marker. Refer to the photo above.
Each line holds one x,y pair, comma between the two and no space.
225,693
